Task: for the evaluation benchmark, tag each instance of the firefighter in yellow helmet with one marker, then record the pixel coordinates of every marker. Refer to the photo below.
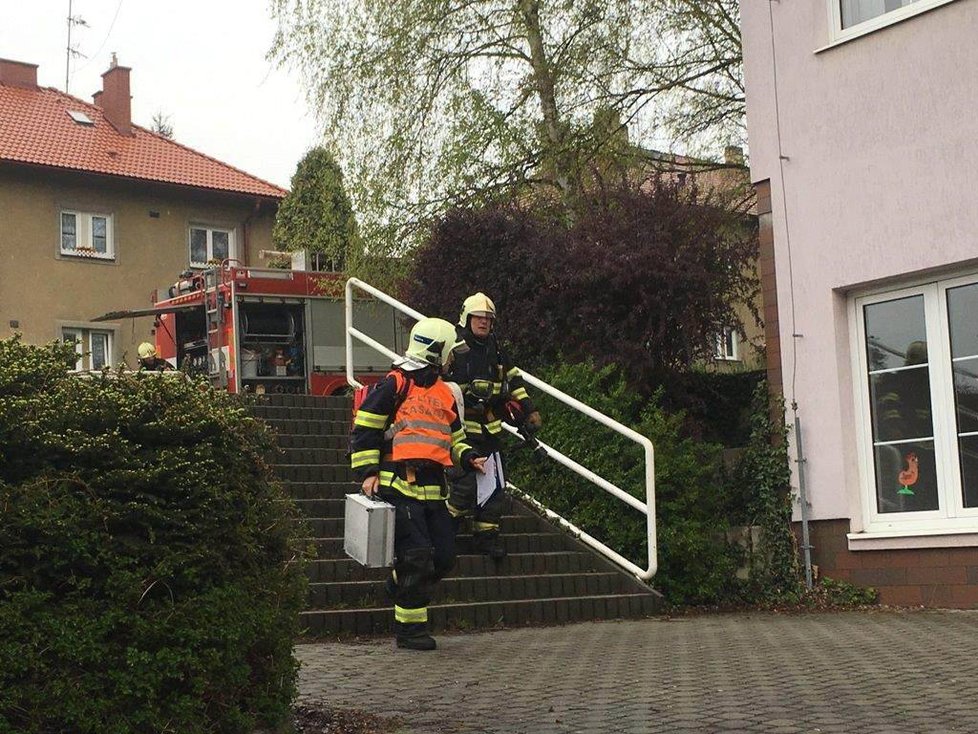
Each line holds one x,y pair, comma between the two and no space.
406,432
149,360
489,381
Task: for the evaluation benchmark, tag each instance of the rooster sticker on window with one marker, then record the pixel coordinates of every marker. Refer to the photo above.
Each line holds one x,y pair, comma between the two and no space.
908,477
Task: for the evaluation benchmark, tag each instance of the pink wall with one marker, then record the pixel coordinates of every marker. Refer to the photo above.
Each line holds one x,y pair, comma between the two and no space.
881,182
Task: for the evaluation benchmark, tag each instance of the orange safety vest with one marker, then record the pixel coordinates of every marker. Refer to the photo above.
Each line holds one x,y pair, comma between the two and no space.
422,428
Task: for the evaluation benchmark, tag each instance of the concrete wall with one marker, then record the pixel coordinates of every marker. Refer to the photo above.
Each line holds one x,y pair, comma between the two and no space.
879,137
42,290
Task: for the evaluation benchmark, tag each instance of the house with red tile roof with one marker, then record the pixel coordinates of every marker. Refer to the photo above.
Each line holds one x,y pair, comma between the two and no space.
96,213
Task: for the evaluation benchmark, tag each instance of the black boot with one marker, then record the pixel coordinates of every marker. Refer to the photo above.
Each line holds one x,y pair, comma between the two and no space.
414,636
489,543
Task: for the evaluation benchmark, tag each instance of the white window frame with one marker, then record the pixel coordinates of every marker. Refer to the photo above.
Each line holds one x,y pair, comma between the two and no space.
210,229
83,345
84,241
728,345
951,516
838,34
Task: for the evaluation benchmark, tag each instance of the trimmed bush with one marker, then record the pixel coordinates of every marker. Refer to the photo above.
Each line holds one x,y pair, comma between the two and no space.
695,565
150,573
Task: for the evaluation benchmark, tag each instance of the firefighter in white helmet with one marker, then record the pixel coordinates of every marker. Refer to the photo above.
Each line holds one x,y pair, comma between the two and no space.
149,360
406,432
489,381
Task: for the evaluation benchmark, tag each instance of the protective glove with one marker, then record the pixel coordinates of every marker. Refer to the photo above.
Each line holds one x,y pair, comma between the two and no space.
480,390
534,421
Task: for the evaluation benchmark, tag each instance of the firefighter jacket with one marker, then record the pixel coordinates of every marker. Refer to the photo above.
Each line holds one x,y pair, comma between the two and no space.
488,380
409,436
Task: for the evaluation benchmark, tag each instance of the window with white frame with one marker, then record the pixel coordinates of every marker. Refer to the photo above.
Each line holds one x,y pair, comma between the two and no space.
854,17
93,347
210,245
918,405
728,345
87,235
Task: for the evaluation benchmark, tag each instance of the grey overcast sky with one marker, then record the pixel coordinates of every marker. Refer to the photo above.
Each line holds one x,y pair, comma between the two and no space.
201,62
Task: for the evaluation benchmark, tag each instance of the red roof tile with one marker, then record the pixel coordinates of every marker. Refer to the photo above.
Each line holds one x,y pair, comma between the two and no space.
35,128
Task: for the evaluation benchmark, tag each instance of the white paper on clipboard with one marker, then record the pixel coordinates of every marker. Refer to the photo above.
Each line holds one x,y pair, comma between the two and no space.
487,484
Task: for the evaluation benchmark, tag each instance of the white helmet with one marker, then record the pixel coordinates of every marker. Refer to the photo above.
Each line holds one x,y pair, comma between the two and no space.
432,341
146,350
478,304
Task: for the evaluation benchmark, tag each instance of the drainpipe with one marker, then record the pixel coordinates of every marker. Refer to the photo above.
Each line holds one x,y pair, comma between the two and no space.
802,499
244,231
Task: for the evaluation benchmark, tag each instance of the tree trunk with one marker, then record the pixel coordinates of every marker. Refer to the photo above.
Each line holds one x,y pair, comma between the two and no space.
555,130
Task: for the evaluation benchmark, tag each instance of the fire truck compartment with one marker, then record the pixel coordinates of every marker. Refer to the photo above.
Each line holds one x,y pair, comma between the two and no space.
272,345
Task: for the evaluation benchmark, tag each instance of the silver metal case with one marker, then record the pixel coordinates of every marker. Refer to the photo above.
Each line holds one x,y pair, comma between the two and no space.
368,531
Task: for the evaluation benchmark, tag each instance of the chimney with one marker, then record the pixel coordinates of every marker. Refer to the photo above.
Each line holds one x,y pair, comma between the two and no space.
18,74
114,99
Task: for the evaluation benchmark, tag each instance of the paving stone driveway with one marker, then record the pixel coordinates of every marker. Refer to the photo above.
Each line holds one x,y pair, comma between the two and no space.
878,672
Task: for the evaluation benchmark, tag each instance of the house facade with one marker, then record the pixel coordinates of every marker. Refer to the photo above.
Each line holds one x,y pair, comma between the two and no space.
97,213
862,129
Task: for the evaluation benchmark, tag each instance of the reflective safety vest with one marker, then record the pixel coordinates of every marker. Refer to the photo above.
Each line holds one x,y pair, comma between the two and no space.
422,427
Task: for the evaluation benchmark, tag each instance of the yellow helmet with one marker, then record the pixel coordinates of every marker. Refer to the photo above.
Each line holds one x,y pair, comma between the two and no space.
146,350
478,304
431,341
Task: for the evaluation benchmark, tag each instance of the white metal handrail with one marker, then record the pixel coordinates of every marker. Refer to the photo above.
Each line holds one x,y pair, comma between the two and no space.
647,507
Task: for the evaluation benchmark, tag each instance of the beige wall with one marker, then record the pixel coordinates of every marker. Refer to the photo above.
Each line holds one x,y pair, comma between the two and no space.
43,291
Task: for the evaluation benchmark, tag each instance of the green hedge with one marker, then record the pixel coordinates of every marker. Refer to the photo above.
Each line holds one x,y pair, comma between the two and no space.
694,567
150,573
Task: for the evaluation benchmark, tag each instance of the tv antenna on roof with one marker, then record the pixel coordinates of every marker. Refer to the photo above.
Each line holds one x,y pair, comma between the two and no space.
71,51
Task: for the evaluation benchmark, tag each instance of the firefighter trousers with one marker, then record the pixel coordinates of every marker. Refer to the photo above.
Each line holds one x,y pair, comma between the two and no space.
463,502
424,553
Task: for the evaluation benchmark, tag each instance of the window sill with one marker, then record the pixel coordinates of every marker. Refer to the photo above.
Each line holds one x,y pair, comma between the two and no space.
877,24
86,255
910,539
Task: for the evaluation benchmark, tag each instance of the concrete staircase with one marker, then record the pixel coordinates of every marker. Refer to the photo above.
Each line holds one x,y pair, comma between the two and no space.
547,578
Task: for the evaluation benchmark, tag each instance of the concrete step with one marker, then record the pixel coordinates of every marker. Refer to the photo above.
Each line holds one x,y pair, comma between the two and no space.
321,490
313,441
314,455
542,542
314,472
301,401
314,504
461,589
334,413
325,527
469,615
308,427
346,569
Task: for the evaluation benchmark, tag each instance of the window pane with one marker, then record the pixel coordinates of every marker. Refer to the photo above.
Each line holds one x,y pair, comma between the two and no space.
99,229
906,477
220,241
198,246
859,11
71,336
68,231
962,320
895,333
100,350
900,404
966,394
968,451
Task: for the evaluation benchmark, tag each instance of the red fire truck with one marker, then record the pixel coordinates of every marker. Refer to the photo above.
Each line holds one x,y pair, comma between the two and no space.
266,330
